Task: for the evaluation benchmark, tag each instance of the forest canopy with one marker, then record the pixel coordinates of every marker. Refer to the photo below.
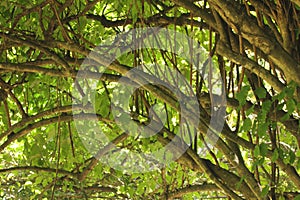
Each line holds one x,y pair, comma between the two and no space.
149,99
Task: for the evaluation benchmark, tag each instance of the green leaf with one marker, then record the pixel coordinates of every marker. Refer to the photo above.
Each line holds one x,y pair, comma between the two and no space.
39,179
297,153
292,157
165,134
265,191
247,125
280,106
281,153
242,95
261,92
82,23
102,104
291,106
256,151
263,149
297,197
262,129
134,14
266,105
279,96
140,189
261,161
290,89
250,110
285,117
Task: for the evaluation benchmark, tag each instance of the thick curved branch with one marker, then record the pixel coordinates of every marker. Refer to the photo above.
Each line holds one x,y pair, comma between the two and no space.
262,38
39,169
193,188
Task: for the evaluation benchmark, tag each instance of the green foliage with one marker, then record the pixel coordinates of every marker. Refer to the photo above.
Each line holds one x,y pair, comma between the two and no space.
265,191
261,92
43,45
243,94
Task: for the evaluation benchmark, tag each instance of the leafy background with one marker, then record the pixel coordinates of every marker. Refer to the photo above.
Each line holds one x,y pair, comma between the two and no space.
255,45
